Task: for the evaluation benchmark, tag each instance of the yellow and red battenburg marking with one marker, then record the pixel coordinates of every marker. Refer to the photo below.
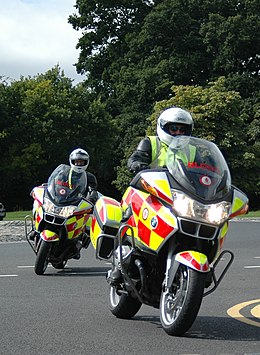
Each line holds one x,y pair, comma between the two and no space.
197,260
76,224
109,212
153,220
38,193
49,235
159,182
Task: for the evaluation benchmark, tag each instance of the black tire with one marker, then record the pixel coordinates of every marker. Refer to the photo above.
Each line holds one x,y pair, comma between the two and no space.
42,258
122,305
179,309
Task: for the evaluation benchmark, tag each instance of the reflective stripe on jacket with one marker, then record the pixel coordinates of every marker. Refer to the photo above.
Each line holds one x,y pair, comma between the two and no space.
159,153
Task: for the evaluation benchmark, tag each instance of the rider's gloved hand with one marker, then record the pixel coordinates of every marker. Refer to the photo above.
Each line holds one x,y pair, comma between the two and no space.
138,166
92,196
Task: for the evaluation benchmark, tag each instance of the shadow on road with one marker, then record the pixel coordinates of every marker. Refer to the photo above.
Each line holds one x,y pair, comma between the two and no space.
215,328
77,271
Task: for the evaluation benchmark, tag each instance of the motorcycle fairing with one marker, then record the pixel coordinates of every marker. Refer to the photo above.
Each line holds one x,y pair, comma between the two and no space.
126,199
107,213
193,259
38,194
95,231
76,224
38,213
222,235
83,207
158,185
239,204
152,222
49,236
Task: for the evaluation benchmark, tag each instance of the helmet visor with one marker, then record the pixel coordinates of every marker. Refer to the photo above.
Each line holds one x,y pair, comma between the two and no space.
79,162
176,128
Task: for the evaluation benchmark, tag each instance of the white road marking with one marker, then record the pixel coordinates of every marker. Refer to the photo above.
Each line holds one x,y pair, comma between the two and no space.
252,267
8,275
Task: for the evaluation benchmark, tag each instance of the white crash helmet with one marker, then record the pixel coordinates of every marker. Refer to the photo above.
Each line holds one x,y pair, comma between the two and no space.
173,115
79,154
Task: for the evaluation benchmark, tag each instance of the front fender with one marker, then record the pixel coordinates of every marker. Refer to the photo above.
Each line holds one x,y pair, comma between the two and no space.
192,259
49,236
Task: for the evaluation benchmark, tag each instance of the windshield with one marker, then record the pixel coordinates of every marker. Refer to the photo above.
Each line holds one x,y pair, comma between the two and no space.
65,186
199,167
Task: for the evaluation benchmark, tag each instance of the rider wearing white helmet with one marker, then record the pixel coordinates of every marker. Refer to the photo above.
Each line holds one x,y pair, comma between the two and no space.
79,161
152,152
172,122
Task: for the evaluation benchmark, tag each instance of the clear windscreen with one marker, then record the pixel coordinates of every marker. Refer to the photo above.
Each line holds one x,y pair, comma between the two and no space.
66,186
199,167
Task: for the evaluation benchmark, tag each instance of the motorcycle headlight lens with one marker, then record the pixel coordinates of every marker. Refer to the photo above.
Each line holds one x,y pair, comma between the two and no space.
48,205
187,207
66,211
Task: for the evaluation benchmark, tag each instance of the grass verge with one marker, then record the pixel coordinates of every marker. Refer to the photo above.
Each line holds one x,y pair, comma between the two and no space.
19,215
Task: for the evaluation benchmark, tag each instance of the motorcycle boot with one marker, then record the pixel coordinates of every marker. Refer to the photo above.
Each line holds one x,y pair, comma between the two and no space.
78,246
114,277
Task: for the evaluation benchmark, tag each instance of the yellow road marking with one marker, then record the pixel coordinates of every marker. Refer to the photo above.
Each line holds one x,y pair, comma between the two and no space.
256,311
234,312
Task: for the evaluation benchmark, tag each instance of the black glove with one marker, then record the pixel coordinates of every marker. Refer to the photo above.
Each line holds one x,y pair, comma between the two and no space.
138,166
92,196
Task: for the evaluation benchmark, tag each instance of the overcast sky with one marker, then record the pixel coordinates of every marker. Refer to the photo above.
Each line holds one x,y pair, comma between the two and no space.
35,36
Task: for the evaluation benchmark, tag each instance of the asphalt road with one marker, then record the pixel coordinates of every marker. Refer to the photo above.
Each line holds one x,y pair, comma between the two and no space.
66,312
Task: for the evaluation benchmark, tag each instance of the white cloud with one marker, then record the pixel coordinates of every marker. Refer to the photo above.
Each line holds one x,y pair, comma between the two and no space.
35,36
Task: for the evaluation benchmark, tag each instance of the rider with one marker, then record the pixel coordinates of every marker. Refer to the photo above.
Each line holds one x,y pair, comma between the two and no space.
172,122
79,161
152,150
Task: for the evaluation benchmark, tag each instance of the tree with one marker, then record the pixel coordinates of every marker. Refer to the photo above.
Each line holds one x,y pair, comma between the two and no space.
134,52
46,117
220,116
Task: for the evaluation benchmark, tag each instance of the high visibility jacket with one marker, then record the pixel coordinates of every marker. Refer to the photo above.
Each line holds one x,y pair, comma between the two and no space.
159,153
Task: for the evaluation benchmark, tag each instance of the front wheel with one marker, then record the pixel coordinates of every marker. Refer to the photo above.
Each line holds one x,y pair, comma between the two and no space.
180,305
42,258
122,305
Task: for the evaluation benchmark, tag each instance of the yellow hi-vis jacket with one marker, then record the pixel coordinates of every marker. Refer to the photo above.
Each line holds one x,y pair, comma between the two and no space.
159,153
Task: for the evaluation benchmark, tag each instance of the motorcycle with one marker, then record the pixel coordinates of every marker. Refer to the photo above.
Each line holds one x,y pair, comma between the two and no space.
166,235
59,228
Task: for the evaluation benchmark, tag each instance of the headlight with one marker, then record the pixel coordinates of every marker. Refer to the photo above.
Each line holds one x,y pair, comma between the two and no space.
66,211
187,207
